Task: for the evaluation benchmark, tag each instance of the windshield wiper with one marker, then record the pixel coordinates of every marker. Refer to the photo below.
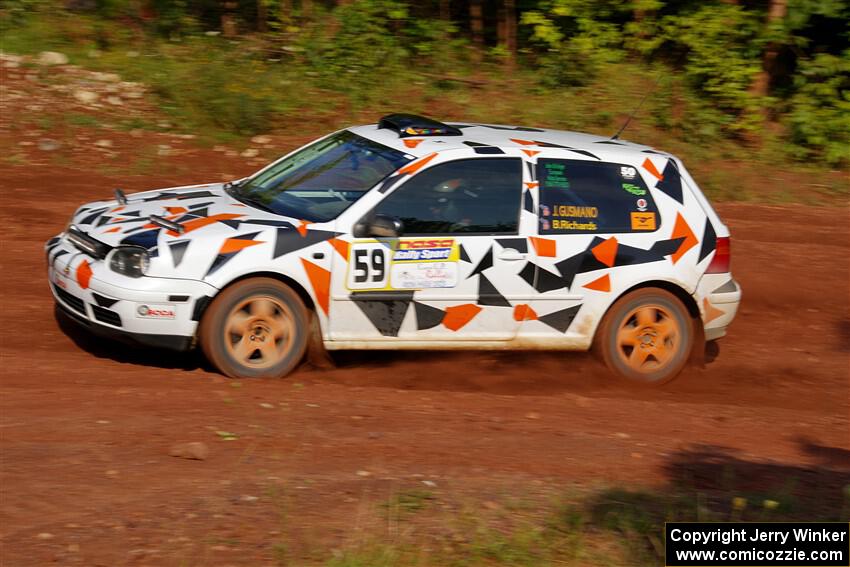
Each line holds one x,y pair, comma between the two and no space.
230,188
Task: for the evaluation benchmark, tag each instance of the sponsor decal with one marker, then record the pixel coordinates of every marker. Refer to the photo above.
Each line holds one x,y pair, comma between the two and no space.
643,221
423,250
556,176
424,275
641,204
60,281
155,311
420,255
627,172
572,211
419,244
634,189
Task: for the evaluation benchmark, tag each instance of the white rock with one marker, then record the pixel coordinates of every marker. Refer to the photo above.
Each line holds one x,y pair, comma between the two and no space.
52,58
250,152
163,150
44,535
86,97
48,145
105,77
364,474
103,143
114,100
261,140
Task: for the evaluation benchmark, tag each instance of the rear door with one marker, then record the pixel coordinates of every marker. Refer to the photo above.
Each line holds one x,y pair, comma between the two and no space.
452,274
594,215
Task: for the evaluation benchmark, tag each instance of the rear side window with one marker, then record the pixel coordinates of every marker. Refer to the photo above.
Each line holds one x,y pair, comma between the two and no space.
579,197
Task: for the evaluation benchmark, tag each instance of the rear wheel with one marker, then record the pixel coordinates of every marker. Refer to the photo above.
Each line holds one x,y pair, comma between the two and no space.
646,336
256,328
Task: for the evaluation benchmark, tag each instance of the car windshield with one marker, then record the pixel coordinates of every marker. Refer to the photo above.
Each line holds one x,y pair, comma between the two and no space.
319,182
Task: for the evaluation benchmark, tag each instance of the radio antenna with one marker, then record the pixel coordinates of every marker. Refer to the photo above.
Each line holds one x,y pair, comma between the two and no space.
635,111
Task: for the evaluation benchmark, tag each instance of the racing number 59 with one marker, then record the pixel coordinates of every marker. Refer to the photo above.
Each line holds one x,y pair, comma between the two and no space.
368,266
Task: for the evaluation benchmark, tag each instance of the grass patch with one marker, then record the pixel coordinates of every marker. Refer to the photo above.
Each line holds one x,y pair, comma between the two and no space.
608,526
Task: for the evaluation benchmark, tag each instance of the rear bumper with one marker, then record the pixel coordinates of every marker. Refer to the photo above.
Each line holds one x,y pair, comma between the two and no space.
721,297
170,342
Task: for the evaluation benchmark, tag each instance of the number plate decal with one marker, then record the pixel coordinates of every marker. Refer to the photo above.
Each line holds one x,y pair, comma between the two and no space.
368,266
408,263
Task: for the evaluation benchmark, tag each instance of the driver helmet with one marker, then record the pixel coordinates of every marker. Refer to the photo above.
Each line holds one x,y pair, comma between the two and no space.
449,185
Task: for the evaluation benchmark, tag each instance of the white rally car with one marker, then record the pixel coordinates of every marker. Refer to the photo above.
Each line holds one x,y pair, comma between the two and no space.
413,234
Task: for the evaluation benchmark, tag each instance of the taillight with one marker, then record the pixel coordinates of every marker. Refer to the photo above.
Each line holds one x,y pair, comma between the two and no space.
722,256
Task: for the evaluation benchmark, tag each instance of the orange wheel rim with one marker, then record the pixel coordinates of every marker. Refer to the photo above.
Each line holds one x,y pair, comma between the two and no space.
259,331
648,338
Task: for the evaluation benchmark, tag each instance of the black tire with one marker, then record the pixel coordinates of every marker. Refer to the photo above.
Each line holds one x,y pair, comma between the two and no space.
646,337
256,328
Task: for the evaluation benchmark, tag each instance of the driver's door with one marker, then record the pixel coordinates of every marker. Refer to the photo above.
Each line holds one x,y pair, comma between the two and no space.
452,273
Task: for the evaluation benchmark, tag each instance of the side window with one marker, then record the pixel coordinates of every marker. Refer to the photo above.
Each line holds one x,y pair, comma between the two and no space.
577,197
466,196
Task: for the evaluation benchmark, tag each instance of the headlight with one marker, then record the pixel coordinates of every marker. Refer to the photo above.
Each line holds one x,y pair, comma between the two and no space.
130,261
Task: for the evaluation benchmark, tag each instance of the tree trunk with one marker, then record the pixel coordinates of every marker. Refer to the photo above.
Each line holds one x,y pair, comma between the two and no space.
476,24
445,10
501,24
284,14
776,11
228,18
510,28
262,16
306,8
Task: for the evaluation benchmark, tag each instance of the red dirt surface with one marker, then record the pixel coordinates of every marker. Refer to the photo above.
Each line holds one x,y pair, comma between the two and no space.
86,426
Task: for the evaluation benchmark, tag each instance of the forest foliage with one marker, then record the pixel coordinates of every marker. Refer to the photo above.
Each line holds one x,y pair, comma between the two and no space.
740,70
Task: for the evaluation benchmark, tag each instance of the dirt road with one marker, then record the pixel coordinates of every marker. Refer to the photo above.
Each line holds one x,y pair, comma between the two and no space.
86,427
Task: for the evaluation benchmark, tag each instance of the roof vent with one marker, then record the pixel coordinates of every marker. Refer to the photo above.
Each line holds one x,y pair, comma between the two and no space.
413,125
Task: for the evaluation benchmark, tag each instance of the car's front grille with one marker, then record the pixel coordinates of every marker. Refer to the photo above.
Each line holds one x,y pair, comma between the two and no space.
106,315
74,303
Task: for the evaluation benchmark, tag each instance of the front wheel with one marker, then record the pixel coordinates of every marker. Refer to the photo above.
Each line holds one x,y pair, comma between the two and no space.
646,337
256,328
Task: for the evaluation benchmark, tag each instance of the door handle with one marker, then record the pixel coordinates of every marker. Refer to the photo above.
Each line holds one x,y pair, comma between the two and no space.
511,255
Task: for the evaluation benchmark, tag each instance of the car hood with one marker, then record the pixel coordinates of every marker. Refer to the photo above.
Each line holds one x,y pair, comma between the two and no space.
208,215
201,209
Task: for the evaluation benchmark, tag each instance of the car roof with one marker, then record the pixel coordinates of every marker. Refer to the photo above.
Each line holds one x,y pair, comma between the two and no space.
501,136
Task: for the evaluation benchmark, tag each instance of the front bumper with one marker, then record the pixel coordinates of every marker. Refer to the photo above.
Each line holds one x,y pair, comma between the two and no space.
170,342
160,312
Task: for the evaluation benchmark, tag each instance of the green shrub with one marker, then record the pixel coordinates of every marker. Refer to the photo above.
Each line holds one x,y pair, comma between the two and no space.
819,116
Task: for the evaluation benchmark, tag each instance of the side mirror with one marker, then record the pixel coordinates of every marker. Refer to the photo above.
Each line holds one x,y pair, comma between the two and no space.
378,225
